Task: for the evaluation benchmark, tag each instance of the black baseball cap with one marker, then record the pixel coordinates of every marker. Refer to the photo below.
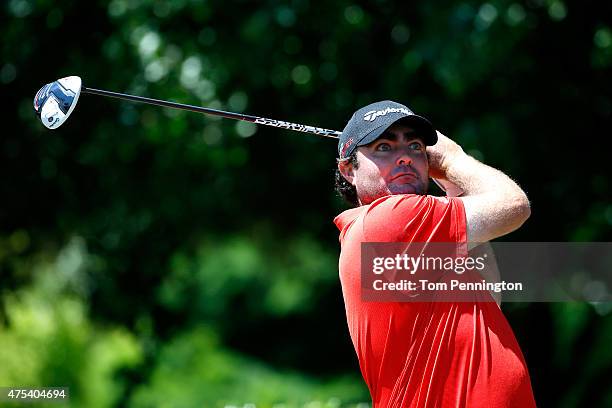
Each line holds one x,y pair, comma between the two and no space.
368,123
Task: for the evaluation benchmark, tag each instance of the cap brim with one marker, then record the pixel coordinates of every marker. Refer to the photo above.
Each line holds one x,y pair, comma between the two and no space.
423,127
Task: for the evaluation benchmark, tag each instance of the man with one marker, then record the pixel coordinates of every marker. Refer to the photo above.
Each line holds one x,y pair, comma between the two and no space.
425,354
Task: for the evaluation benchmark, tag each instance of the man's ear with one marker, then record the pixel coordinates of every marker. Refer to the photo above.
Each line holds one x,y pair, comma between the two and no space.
347,170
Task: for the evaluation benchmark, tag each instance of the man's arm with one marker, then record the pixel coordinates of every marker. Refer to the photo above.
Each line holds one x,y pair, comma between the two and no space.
494,204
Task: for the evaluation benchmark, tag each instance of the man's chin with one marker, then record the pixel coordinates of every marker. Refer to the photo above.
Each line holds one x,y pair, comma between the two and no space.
366,197
407,189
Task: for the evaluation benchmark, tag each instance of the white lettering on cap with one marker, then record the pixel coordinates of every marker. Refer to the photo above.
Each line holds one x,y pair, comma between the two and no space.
372,115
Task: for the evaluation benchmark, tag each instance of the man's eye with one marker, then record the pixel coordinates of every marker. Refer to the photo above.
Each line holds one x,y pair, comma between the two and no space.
416,146
383,147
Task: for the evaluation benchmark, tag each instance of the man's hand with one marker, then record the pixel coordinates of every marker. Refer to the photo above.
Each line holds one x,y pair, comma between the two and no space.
441,155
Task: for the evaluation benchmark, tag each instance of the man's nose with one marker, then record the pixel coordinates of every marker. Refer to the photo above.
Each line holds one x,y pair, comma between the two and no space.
403,159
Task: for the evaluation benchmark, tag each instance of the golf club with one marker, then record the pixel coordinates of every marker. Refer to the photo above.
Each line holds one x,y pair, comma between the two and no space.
55,101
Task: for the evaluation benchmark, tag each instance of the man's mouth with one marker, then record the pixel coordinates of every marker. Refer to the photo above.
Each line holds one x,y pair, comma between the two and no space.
403,177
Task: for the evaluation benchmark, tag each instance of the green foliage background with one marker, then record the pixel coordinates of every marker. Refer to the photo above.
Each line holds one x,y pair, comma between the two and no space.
151,257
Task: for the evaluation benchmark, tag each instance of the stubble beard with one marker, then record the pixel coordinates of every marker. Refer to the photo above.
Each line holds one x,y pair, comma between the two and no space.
418,188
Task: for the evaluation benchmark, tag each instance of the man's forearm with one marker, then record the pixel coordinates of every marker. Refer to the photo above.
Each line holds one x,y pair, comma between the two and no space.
473,177
494,204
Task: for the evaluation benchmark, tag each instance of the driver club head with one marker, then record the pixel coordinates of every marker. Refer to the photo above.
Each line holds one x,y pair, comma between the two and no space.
54,102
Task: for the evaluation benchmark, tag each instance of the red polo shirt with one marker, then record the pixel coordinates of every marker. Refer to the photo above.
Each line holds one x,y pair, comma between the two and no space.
436,354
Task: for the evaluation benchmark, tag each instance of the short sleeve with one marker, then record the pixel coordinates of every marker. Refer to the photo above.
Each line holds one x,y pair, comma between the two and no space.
415,218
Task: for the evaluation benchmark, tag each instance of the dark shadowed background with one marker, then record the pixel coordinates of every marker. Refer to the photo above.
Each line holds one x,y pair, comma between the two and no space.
151,257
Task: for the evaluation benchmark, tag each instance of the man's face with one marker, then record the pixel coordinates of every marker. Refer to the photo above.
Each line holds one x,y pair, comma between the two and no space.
395,163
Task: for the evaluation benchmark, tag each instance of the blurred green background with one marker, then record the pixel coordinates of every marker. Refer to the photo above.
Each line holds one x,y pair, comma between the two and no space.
151,257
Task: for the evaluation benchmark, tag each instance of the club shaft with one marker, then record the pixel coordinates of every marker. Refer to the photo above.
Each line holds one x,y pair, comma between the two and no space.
230,115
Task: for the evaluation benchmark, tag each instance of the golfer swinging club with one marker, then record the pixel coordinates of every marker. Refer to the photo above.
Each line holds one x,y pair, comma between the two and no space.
425,354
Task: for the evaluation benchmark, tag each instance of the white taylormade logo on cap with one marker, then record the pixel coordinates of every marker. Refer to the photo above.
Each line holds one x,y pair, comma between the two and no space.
372,115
